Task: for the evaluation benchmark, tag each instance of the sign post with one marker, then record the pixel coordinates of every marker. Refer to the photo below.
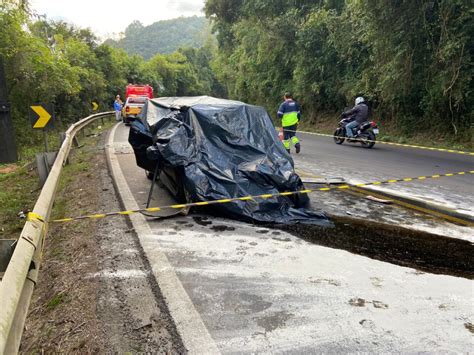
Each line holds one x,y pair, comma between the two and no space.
95,107
42,117
8,152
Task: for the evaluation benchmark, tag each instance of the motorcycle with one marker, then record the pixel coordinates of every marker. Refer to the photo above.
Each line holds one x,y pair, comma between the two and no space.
365,135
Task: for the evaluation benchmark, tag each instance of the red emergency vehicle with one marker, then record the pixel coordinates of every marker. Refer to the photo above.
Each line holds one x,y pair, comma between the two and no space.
135,98
138,90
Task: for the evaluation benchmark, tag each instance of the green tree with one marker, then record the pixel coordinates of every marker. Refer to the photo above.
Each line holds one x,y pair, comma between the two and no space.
412,60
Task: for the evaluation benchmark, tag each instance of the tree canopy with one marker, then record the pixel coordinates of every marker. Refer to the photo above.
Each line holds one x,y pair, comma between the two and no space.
411,59
55,62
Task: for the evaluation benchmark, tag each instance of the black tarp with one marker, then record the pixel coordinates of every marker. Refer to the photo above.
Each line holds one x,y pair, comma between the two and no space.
211,149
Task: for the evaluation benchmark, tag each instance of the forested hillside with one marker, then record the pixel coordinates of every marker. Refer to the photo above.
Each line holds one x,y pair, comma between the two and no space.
411,59
55,62
164,36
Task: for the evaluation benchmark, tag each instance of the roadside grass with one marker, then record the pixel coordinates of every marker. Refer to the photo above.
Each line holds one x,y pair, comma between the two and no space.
64,300
80,166
18,191
56,300
19,182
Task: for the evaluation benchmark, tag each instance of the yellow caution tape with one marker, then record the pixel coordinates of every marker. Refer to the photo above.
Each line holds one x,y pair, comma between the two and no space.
393,143
35,217
246,198
31,216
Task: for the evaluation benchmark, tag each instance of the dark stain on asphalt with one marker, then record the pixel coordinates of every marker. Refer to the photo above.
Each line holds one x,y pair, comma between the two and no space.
357,302
327,281
400,246
245,303
222,228
378,304
282,239
273,321
367,323
262,231
469,326
202,221
360,302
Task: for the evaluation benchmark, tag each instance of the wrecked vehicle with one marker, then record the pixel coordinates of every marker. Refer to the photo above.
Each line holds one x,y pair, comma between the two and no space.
205,148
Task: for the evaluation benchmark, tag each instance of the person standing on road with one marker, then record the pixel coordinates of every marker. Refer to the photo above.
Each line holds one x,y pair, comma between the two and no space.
118,104
360,113
290,114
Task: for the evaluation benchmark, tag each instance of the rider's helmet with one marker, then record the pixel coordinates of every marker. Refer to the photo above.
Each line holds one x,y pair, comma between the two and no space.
359,100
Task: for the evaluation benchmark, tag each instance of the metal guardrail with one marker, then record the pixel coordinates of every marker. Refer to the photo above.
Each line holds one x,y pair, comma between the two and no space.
21,274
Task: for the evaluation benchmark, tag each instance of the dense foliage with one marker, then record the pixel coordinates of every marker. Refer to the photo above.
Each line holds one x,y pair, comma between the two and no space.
164,36
411,59
54,62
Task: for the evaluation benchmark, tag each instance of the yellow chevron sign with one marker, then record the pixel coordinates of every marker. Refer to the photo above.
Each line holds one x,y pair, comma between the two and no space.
95,106
43,117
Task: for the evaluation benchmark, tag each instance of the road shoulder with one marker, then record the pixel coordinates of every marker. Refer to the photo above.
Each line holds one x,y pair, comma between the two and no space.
189,324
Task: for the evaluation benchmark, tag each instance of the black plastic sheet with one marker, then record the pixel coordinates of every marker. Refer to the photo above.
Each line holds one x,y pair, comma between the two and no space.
210,149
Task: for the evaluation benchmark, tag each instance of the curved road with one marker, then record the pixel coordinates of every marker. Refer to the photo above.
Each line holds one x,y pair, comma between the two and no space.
321,156
233,287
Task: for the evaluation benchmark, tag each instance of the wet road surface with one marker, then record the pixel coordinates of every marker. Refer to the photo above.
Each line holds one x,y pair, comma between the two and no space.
320,155
259,289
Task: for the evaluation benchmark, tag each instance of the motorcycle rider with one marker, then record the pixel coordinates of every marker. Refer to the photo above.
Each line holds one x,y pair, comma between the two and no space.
360,114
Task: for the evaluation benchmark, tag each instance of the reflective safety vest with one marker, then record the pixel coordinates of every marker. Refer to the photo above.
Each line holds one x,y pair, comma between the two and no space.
289,112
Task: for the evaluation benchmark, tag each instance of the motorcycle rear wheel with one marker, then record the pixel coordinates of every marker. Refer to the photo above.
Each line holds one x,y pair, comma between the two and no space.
339,136
367,139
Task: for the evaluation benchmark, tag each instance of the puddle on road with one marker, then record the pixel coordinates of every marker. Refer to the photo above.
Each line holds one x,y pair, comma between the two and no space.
405,247
354,205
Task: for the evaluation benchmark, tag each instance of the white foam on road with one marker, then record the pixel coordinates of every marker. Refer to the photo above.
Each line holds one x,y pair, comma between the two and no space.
190,327
257,290
119,274
261,292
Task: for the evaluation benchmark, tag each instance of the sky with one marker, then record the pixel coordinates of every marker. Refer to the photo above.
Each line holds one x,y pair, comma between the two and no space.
109,17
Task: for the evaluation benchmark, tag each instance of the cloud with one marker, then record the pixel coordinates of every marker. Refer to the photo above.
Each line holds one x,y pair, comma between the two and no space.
112,16
187,6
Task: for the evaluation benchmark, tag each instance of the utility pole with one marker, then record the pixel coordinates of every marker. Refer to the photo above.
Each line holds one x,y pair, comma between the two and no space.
8,153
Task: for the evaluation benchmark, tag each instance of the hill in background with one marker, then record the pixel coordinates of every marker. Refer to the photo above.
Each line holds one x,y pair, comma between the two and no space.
163,36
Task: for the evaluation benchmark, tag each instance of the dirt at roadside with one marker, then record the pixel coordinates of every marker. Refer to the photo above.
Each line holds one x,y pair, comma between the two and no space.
95,293
10,168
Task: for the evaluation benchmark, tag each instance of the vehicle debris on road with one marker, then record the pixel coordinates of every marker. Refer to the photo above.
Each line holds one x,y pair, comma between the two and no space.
206,148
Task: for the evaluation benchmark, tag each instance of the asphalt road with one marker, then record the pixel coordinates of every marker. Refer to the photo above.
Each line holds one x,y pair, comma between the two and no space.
321,156
244,289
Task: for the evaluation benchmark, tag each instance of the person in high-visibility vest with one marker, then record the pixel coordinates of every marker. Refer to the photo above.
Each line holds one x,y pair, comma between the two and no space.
290,114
